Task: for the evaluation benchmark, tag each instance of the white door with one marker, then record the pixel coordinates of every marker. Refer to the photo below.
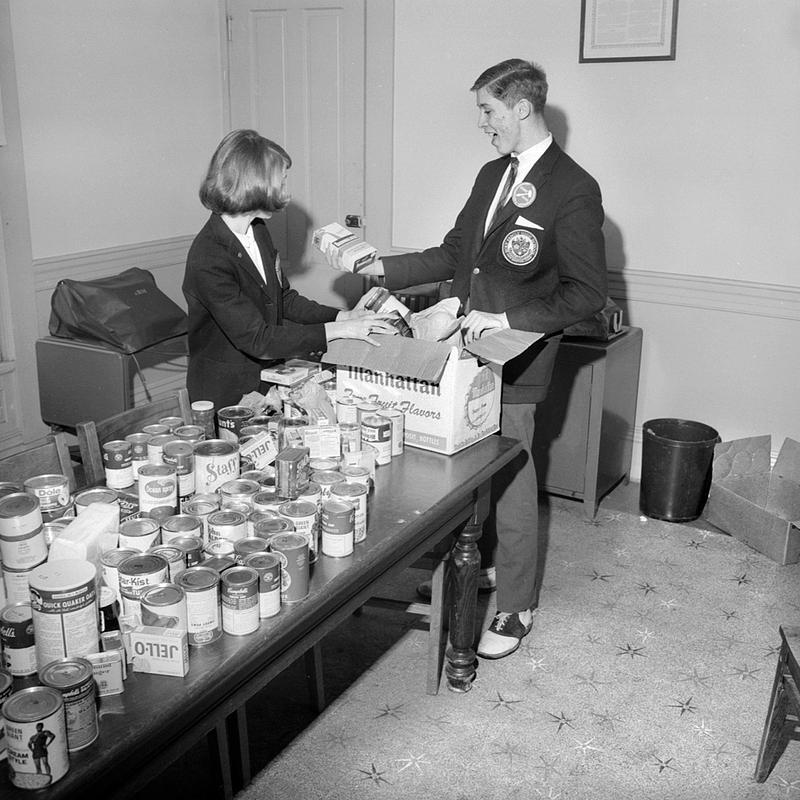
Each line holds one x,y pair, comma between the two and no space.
297,77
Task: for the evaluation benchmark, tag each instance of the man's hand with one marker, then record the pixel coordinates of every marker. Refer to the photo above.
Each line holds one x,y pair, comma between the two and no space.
375,268
478,323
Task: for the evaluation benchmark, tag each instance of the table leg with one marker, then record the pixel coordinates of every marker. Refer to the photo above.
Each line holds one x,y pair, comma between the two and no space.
465,563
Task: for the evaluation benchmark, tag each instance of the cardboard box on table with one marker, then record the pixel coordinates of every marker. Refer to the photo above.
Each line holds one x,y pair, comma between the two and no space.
757,503
450,398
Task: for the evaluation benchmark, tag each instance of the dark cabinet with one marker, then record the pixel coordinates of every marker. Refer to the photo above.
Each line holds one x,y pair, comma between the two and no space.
585,426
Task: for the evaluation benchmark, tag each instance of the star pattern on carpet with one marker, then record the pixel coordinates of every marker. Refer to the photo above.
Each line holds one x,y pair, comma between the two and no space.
629,650
646,587
606,718
502,702
509,750
374,775
685,706
390,711
645,635
695,545
664,763
589,680
412,762
700,681
562,720
586,746
745,673
741,580
599,576
548,766
703,729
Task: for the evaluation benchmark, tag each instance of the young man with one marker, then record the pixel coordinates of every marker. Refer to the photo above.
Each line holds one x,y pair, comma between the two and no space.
526,252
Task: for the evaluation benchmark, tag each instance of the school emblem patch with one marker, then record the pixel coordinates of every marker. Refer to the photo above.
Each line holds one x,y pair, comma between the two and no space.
520,247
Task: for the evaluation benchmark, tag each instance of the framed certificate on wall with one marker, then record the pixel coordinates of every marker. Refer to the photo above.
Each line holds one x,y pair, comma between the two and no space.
628,30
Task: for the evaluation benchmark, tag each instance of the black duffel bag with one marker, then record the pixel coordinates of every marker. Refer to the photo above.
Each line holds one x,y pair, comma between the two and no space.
126,311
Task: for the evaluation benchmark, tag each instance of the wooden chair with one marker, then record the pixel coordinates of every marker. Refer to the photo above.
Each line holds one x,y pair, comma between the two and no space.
783,716
51,458
92,434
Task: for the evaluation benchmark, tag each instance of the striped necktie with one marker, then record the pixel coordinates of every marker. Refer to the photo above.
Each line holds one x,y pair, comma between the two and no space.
512,176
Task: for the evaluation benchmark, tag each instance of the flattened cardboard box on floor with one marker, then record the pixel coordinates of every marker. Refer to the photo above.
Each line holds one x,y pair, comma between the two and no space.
450,399
756,503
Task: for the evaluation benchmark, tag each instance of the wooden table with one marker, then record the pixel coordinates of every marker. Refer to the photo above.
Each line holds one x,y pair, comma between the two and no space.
419,499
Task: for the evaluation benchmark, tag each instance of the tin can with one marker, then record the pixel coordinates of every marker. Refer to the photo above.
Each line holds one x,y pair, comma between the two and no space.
52,491
356,474
199,510
350,436
291,471
136,573
73,677
176,560
203,622
16,637
238,490
179,455
267,500
155,429
171,422
191,547
226,524
355,493
118,463
322,464
51,530
138,442
239,595
36,732
256,516
338,522
377,431
155,447
397,418
184,524
15,582
267,528
263,477
22,543
346,410
110,609
164,606
251,544
139,534
218,547
203,416
231,419
304,518
292,549
96,494
109,567
366,408
215,462
64,601
6,688
220,563
191,433
326,481
158,486
9,487
268,567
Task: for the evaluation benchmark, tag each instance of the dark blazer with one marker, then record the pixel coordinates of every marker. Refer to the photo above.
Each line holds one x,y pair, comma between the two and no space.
237,322
543,264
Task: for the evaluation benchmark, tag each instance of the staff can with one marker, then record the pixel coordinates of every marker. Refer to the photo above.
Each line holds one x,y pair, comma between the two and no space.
268,567
215,462
239,595
36,729
16,636
74,678
203,623
65,611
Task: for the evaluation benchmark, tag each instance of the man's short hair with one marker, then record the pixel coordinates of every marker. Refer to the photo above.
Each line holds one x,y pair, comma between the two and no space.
513,80
246,174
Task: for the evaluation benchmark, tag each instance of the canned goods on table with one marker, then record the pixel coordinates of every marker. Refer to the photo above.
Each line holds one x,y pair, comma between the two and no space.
52,491
226,524
73,677
192,433
136,573
175,558
350,433
16,637
245,547
22,542
172,423
184,524
158,486
397,418
179,455
238,490
325,480
377,431
95,495
118,463
155,447
338,522
164,606
139,534
355,493
231,419
265,528
36,730
191,547
365,408
138,442
268,567
304,518
267,500
291,471
346,410
292,549
109,567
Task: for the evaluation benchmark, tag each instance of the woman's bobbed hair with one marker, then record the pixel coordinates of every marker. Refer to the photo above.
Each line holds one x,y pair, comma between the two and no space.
246,174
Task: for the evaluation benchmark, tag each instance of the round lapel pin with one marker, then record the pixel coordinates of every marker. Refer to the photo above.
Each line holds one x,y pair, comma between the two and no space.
524,195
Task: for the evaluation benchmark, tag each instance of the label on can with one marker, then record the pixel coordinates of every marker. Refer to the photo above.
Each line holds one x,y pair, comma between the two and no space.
338,521
239,595
36,737
163,606
65,609
397,418
16,636
226,524
355,493
292,549
52,491
135,574
303,516
158,486
203,623
215,462
377,431
268,567
73,677
231,419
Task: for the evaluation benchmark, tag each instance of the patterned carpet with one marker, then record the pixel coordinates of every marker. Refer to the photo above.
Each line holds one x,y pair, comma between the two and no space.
647,675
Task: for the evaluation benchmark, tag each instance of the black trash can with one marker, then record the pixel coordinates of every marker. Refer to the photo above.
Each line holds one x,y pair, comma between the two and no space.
676,468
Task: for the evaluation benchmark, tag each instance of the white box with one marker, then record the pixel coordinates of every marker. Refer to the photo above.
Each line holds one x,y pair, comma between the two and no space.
351,253
448,398
160,651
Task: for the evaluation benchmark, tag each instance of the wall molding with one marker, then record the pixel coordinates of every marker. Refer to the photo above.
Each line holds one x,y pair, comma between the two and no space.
154,255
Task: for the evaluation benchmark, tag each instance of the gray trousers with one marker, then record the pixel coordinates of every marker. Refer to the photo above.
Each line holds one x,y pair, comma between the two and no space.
510,538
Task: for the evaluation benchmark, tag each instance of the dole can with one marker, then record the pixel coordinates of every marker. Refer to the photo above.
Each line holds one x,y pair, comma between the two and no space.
52,491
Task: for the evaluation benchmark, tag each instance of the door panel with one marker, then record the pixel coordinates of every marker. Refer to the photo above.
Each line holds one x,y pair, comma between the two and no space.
297,76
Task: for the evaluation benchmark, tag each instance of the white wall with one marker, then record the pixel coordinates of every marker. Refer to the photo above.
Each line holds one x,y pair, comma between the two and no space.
121,106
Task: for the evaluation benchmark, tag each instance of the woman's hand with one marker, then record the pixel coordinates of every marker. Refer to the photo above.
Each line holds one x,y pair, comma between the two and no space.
356,313
359,328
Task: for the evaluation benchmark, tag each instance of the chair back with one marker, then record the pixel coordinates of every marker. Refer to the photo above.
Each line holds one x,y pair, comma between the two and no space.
93,434
51,458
